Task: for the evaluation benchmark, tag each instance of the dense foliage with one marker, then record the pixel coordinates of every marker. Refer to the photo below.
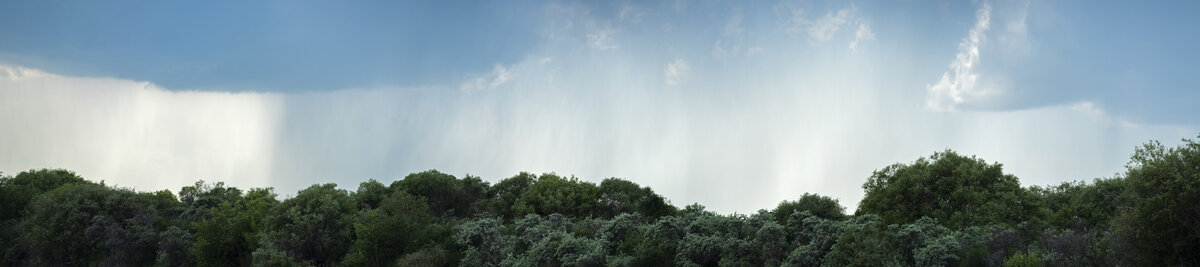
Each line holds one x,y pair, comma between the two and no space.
959,191
947,209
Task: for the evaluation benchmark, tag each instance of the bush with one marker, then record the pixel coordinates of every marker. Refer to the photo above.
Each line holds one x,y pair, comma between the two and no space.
1023,260
865,241
485,242
432,256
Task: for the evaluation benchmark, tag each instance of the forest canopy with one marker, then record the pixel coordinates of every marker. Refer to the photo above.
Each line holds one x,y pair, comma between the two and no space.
942,210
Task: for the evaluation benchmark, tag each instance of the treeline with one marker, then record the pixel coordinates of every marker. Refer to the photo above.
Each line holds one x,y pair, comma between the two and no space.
944,210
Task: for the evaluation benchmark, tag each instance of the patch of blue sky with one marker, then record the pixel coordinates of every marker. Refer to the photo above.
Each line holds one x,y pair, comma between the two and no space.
269,45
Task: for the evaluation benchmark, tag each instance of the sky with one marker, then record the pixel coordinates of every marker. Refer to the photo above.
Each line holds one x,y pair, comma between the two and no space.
736,105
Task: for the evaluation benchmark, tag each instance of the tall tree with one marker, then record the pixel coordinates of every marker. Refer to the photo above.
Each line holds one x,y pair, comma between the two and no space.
619,196
1164,220
397,227
504,195
956,190
313,228
231,234
445,194
370,194
16,193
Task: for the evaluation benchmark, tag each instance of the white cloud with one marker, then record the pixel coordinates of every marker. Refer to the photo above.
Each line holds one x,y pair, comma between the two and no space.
497,77
1088,107
732,41
601,40
19,73
134,134
863,34
823,28
960,82
677,72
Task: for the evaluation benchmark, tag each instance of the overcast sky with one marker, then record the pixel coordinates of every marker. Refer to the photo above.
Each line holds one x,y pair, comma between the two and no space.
735,105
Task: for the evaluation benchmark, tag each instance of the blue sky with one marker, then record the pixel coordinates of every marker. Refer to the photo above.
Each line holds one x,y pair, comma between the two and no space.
272,46
736,105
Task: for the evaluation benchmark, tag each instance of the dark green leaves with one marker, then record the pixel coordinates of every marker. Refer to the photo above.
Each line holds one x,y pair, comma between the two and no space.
947,209
957,190
1163,221
820,206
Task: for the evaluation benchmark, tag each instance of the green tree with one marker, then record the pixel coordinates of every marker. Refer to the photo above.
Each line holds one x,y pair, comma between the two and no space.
1084,205
89,224
473,195
173,247
430,256
938,211
1077,247
623,234
818,205
705,250
370,194
203,196
554,194
813,238
16,193
231,234
397,227
559,248
485,241
445,194
619,196
533,228
770,244
315,227
927,243
505,194
1024,260
956,190
662,241
865,241
439,189
1163,222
